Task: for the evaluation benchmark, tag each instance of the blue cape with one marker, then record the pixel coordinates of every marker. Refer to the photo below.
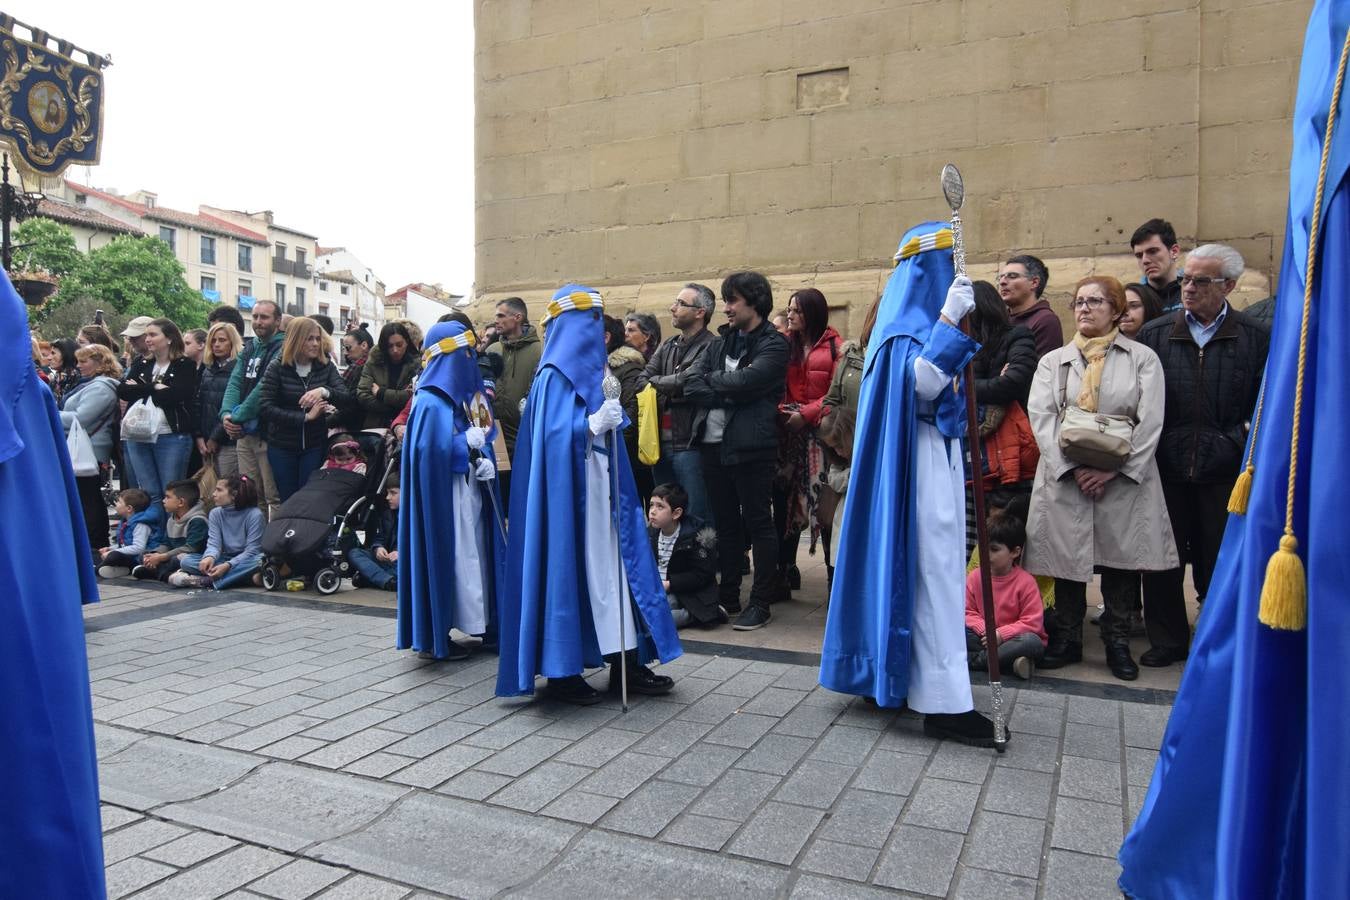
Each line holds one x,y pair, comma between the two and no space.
546,625
1250,796
867,627
50,837
435,450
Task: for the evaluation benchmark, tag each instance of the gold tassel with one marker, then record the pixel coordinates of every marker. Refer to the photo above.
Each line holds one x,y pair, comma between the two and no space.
1284,596
1242,492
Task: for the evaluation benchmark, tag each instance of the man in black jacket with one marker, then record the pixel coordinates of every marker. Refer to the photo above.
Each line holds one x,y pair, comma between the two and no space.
1212,358
736,387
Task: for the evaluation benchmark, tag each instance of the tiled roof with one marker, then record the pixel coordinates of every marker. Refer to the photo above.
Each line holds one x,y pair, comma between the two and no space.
83,216
197,221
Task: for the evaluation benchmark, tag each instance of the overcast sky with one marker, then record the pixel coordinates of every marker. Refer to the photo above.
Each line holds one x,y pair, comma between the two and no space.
350,121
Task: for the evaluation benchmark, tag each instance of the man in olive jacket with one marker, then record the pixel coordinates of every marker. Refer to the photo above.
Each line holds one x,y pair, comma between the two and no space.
736,386
519,346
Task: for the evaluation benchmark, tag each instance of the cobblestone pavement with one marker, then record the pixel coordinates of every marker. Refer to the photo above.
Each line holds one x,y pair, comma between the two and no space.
266,746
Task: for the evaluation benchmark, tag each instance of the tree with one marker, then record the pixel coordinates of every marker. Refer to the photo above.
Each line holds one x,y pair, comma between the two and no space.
67,318
138,276
45,244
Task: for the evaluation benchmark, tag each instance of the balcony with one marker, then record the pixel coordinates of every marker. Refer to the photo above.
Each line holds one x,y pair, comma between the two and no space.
301,270
283,265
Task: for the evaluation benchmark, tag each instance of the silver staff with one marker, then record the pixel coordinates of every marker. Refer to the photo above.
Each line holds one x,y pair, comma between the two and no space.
955,192
610,388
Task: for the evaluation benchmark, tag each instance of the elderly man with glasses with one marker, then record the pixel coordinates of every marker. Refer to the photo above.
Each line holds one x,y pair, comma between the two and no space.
1212,358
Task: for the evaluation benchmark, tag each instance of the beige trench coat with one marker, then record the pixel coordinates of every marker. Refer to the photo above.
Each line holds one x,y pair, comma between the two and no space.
1128,528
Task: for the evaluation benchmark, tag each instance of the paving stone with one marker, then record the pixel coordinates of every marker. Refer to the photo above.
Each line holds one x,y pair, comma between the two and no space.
703,832
522,756
574,723
861,714
741,730
843,744
806,721
1033,752
776,833
736,795
813,887
1036,694
702,764
494,849
441,766
713,708
1144,725
603,865
862,818
191,848
1134,802
136,839
1092,741
1018,792
673,738
115,817
650,808
349,749
1073,876
318,806
580,806
1087,827
377,765
292,747
1089,779
890,773
414,720
508,731
274,710
921,860
745,684
1094,711
816,783
109,739
945,805
598,748
474,785
906,736
957,762
1004,843
840,860
624,774
647,715
776,754
298,880
720,668
218,876
211,732
343,726
133,874
364,887
430,740
1043,720
977,884
540,787
160,770
1139,765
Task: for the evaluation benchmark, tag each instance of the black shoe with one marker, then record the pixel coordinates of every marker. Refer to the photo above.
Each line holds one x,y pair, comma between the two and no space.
144,573
794,578
731,607
753,618
967,728
391,585
641,680
1157,657
572,689
1119,661
1057,656
359,581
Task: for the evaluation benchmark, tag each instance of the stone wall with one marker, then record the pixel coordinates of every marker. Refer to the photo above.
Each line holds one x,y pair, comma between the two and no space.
639,144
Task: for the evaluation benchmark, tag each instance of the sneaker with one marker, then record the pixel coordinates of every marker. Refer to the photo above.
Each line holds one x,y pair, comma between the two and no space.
144,573
113,571
753,618
184,580
1097,615
1022,667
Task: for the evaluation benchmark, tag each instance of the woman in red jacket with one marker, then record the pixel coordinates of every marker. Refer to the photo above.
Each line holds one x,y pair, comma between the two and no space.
813,349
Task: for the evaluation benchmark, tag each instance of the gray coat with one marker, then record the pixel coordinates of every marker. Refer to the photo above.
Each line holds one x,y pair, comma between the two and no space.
1128,528
95,405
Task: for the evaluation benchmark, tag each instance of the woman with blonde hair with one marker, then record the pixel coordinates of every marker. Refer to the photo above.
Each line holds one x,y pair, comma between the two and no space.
299,391
223,344
93,402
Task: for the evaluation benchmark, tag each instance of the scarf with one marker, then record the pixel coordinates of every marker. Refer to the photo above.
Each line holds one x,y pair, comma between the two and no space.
1094,351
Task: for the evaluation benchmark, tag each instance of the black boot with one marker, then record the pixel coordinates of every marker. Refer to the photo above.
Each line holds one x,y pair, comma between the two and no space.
1120,662
793,576
970,728
641,680
1059,655
572,689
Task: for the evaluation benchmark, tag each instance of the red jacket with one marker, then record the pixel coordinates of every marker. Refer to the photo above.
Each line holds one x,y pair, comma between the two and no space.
809,380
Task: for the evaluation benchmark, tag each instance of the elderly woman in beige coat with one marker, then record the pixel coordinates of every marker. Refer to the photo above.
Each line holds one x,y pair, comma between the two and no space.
1082,517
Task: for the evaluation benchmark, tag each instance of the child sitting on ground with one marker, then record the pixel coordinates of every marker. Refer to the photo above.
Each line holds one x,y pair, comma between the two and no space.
1017,603
184,531
233,539
378,566
686,555
140,527
345,453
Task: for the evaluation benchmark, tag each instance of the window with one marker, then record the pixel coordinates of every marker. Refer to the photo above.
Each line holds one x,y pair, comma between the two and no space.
323,309
208,283
208,251
245,288
281,250
245,258
299,256
300,299
344,290
323,285
168,235
345,317
281,296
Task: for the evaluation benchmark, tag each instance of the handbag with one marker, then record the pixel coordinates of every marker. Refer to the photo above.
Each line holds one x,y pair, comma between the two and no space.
81,448
1091,438
143,422
649,427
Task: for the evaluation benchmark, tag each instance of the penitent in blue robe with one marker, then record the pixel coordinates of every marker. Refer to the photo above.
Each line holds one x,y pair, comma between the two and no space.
1250,796
546,623
50,836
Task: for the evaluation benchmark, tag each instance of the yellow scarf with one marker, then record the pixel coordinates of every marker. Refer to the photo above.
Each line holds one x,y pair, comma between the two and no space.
1094,351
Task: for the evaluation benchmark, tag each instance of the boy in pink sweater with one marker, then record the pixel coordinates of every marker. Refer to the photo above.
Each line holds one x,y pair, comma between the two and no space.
1017,603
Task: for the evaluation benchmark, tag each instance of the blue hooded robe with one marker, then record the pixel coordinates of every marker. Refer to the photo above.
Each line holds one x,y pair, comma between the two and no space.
435,452
51,842
867,649
546,623
1250,796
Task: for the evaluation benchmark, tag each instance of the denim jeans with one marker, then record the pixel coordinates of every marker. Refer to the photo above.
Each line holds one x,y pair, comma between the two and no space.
159,463
377,573
292,468
241,572
685,468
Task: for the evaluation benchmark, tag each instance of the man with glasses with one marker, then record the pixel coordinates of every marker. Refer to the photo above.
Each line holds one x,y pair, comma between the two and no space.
1212,357
665,372
1021,282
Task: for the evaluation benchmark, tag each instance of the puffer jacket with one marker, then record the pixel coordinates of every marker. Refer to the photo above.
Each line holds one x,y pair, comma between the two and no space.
279,408
847,381
809,380
380,411
1211,394
692,570
212,382
749,393
999,386
94,403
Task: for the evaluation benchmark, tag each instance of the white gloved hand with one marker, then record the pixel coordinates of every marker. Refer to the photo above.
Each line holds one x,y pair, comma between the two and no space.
960,299
484,470
609,416
476,437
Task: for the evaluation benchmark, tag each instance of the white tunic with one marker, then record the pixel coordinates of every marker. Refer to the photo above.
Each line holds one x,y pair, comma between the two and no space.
606,583
470,612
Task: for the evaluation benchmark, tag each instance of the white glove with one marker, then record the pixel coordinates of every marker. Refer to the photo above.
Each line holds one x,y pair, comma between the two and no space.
484,470
476,437
609,416
960,299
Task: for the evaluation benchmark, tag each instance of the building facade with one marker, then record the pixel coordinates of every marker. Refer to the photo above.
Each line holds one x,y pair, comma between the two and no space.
639,145
90,228
289,264
347,289
421,303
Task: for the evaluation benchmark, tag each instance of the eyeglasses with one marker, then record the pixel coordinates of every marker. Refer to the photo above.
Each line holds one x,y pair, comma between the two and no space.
1011,276
1201,280
1088,303
687,305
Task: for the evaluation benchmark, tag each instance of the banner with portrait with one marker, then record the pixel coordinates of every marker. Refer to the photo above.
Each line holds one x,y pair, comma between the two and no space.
51,107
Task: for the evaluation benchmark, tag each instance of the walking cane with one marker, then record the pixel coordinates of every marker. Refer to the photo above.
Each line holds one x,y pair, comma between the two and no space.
954,190
610,388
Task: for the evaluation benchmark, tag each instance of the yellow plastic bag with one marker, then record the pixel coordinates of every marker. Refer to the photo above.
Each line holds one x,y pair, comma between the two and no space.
649,427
